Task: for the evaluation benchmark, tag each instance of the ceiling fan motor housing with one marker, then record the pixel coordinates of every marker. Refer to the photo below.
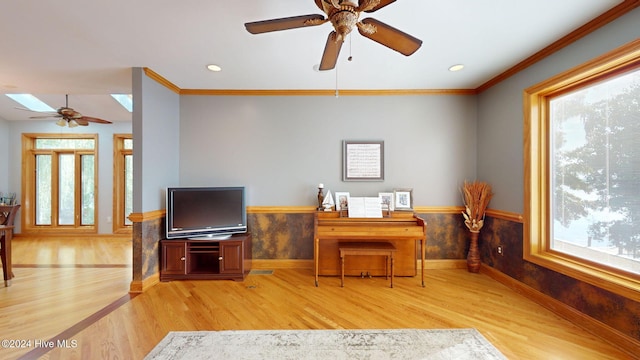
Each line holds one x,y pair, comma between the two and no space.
344,21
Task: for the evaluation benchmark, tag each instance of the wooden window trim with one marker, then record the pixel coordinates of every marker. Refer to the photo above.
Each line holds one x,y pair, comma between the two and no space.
537,176
28,210
119,151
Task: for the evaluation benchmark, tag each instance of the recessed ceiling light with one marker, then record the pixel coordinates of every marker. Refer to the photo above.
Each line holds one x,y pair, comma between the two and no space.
214,67
456,67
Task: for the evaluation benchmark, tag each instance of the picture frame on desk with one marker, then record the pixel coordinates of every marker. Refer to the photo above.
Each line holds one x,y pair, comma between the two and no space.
342,201
403,199
386,200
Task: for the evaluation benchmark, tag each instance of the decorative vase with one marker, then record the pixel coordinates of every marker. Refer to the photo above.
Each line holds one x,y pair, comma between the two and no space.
473,257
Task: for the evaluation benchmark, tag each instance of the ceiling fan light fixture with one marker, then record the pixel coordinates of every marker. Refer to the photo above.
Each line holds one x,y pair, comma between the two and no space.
73,123
456,67
214,67
61,122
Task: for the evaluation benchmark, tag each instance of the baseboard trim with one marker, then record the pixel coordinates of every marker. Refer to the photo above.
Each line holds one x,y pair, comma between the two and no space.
137,287
308,264
604,331
443,264
281,264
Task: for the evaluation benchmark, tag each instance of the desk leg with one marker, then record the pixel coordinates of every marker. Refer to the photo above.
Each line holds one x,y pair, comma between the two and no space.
386,267
341,269
422,252
6,258
392,261
316,251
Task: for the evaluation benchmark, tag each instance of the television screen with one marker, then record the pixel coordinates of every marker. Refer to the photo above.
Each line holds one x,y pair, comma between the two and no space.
205,212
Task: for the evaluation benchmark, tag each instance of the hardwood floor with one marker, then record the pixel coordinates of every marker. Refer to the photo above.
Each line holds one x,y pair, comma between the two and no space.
76,290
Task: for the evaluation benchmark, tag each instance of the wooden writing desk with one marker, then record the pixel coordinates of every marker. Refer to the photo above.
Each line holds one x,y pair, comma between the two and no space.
404,229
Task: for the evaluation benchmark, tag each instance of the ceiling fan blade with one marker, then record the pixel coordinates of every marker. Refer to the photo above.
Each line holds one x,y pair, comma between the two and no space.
331,52
35,111
45,116
382,4
259,27
391,37
87,119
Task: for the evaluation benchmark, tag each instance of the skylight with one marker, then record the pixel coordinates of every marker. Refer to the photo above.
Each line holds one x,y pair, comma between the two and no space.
126,100
30,102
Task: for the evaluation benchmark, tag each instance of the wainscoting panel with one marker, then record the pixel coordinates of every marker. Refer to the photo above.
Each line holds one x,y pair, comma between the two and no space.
612,310
281,235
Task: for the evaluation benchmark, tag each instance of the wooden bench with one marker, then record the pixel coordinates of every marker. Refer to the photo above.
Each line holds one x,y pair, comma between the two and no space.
367,248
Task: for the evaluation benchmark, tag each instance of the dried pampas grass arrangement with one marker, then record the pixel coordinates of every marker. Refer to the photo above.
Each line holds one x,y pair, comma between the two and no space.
476,196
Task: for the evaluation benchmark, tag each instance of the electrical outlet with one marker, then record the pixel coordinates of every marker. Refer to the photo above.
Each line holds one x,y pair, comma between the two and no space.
500,250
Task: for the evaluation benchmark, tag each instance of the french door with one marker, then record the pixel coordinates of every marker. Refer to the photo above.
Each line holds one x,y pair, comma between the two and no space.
60,183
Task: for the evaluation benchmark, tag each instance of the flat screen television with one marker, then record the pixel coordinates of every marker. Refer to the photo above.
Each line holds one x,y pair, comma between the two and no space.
205,212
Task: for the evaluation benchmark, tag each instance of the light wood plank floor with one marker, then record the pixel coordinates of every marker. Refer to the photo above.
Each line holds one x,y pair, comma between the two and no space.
76,290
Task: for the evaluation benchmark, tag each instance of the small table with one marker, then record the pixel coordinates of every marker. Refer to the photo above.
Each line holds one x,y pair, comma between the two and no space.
5,252
367,248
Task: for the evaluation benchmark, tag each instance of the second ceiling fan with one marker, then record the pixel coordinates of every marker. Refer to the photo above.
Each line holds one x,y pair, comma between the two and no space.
69,117
344,16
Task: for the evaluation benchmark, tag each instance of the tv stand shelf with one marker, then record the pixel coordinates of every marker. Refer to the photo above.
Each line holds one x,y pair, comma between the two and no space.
189,259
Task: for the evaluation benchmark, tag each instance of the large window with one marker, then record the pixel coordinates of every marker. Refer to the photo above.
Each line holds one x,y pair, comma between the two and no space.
60,186
582,172
123,182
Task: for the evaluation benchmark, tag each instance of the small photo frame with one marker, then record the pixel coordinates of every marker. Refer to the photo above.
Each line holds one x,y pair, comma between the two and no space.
342,200
403,199
386,200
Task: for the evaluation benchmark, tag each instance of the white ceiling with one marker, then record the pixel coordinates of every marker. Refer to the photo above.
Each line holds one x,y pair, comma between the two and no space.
87,48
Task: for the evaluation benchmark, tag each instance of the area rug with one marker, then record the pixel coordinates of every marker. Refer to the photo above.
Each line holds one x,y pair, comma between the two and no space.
402,344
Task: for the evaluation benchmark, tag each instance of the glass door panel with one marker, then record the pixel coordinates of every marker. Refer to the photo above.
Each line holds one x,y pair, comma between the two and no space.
43,190
88,193
66,187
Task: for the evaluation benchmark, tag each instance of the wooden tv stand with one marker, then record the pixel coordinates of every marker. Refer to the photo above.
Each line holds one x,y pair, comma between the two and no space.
185,259
404,230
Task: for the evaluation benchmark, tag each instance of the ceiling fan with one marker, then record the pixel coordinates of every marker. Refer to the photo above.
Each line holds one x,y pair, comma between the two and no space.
70,117
344,16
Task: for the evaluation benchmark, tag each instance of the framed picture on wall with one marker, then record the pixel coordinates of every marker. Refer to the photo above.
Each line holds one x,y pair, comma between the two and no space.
403,199
362,160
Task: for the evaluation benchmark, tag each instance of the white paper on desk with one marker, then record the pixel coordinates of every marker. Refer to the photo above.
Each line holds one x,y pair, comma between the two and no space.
365,207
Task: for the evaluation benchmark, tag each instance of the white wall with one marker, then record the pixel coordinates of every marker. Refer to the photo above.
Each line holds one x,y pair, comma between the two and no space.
4,156
282,147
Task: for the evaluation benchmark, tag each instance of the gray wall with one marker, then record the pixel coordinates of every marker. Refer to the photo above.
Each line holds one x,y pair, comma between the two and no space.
500,110
156,127
281,148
